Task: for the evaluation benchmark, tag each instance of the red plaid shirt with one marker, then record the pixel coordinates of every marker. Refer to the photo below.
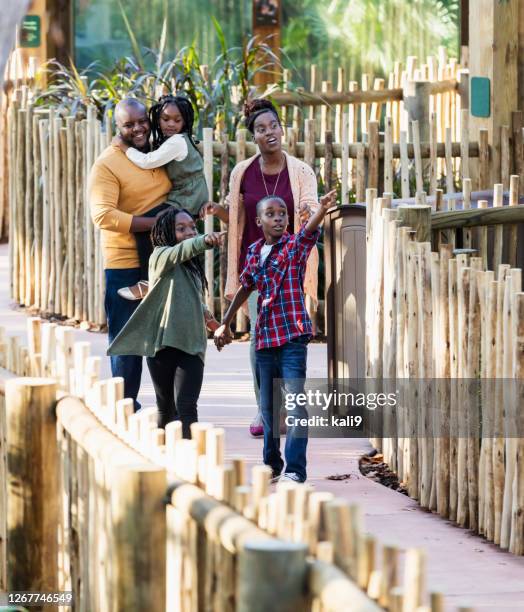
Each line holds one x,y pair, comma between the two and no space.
282,313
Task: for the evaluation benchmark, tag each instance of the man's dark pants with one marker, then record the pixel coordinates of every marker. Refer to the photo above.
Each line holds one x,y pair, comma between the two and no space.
118,312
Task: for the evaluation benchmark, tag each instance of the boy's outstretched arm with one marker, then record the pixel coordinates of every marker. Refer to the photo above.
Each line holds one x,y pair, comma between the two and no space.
223,334
326,202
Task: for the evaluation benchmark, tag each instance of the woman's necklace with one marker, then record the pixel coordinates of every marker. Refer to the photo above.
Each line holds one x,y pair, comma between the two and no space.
264,180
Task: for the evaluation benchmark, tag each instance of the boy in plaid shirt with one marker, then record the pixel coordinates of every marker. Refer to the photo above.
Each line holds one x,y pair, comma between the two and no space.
275,265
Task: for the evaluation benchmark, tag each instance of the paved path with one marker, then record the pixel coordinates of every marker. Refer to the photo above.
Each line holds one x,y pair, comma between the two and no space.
465,567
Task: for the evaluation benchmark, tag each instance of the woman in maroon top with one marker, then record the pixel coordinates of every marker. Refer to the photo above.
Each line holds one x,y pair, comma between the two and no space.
272,171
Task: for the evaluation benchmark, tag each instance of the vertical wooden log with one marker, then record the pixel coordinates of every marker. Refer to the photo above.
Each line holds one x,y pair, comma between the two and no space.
309,143
17,222
516,545
414,579
512,238
473,373
70,207
404,165
484,170
11,157
464,144
79,291
433,170
264,559
466,233
54,211
450,179
418,157
453,365
513,285
89,254
345,175
505,161
498,442
33,503
388,156
364,109
361,173
29,229
373,155
37,213
208,172
498,196
328,159
483,238
46,215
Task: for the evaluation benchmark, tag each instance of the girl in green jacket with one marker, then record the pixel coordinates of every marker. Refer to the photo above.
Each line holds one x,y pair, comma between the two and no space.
169,326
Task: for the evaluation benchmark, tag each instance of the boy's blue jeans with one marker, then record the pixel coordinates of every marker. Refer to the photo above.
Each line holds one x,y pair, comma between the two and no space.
287,362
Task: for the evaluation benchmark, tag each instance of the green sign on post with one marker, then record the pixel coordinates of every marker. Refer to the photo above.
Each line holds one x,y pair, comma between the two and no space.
480,97
30,32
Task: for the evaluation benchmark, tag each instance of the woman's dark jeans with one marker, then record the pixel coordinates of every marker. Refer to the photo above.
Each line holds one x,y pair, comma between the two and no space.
175,371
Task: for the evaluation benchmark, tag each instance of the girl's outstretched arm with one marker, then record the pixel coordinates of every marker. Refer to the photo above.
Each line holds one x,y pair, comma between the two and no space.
173,149
223,334
187,249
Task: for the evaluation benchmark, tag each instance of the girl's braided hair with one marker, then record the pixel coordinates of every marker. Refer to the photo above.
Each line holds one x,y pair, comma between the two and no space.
255,108
186,110
163,234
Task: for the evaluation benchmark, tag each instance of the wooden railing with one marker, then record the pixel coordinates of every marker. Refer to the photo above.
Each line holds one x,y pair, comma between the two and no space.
455,328
120,512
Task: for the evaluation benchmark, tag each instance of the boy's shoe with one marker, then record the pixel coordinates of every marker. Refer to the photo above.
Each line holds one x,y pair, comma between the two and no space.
291,477
135,292
276,476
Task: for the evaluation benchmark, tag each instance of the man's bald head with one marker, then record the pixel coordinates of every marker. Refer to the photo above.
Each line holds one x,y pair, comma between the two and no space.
133,123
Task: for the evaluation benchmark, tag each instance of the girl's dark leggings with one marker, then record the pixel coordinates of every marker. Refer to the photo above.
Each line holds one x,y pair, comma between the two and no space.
177,379
144,246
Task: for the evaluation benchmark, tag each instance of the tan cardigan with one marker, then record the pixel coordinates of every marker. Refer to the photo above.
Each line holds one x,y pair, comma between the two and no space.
304,188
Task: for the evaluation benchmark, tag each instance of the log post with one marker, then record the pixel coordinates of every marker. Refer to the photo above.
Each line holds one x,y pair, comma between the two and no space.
416,103
417,217
493,55
32,491
259,562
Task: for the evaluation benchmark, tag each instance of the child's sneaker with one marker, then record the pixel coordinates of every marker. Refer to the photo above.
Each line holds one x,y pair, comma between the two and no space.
291,477
135,292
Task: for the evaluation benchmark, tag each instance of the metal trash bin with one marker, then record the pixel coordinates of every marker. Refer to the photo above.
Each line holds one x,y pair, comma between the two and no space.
345,273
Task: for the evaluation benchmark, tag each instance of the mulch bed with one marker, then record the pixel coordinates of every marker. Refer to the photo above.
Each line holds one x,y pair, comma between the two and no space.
372,466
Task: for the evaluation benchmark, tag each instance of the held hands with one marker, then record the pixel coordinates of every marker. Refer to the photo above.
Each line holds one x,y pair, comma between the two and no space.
223,336
215,239
211,208
328,200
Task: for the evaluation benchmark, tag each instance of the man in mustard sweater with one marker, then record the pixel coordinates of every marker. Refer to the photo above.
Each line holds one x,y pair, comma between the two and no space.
120,194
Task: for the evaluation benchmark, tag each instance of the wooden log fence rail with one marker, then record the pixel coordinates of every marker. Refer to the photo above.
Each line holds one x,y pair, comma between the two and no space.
127,515
451,332
55,253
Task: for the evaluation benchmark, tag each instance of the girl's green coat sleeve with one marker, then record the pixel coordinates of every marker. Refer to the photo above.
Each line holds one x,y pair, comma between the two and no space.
172,312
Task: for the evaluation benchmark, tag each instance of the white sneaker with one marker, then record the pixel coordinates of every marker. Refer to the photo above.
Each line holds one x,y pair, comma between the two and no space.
291,477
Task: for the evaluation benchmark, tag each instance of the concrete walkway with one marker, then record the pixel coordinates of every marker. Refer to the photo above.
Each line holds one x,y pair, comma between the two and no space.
466,568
